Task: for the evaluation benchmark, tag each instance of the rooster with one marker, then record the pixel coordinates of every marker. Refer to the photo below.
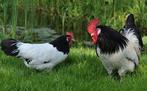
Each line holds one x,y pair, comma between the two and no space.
116,52
39,56
131,26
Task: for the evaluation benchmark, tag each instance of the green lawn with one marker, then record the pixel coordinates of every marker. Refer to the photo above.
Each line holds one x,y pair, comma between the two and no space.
82,71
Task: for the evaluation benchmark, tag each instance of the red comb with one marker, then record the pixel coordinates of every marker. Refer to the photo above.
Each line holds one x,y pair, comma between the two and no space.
92,25
69,33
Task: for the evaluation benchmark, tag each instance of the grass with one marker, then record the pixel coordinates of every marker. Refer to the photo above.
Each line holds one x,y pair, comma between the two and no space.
81,71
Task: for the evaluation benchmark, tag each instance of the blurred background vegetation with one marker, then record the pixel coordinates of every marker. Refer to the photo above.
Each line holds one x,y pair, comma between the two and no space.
22,19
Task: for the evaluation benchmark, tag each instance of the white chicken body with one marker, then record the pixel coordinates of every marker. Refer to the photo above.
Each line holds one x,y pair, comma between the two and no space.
123,60
42,56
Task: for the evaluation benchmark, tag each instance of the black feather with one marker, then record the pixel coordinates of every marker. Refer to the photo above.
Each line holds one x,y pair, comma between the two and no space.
130,25
27,60
110,41
9,47
61,44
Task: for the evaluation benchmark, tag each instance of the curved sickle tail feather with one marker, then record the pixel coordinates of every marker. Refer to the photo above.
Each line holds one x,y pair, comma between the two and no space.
9,46
130,23
132,33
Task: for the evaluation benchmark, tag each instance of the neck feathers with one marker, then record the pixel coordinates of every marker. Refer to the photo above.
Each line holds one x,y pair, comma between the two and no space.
110,41
61,44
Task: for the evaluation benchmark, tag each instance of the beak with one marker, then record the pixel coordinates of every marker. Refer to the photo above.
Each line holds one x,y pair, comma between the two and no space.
73,39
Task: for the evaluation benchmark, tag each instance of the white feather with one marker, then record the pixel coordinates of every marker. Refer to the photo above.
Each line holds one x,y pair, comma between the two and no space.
40,53
123,60
129,34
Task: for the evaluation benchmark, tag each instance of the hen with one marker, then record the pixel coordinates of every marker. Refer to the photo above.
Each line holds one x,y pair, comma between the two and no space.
39,56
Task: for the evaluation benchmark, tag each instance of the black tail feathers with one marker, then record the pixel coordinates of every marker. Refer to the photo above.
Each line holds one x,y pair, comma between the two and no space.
9,46
130,21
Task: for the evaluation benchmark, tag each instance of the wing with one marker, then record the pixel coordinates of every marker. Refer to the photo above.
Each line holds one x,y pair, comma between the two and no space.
131,55
36,52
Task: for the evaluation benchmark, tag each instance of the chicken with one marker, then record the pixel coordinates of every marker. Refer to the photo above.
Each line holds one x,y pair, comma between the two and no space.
39,56
131,26
116,52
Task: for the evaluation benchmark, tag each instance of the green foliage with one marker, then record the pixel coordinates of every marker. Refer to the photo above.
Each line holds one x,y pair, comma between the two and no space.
69,15
144,40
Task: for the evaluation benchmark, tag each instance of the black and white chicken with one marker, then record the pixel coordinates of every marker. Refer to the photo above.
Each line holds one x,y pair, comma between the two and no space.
116,52
39,56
